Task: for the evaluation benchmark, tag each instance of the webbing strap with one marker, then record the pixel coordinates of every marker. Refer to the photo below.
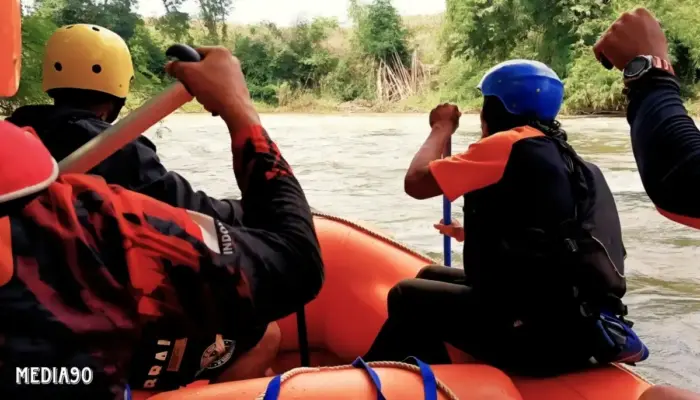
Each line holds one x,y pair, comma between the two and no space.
273,388
430,387
430,391
360,363
577,179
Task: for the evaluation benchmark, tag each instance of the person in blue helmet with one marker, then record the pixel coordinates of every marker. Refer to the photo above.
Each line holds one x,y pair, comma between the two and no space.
543,279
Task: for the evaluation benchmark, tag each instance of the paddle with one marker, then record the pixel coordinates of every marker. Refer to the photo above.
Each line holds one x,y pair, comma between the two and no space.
447,212
133,125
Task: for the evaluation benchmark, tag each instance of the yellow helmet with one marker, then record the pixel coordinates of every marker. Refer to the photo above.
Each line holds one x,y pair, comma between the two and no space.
90,57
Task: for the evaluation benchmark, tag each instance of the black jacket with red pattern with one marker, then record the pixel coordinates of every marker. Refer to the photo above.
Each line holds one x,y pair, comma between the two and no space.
94,268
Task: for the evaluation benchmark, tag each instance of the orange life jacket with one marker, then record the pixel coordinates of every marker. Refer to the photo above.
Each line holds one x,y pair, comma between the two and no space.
6,261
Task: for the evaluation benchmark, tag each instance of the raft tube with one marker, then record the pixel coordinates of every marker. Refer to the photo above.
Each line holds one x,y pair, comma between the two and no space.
361,266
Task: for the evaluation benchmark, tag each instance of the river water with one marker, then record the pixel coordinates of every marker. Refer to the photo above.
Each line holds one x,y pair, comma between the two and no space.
353,166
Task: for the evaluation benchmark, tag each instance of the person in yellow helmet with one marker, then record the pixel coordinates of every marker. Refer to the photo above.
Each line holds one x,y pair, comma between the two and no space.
87,71
88,67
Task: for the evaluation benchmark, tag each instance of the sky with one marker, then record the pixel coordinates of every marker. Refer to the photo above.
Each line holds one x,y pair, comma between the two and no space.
286,12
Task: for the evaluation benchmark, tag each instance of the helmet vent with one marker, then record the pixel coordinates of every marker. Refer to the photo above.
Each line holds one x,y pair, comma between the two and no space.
70,26
58,66
96,29
96,68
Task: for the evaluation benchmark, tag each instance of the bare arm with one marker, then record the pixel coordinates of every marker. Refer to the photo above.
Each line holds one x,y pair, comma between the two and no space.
419,182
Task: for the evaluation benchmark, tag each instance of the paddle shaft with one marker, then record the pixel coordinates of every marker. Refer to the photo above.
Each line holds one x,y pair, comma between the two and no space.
447,212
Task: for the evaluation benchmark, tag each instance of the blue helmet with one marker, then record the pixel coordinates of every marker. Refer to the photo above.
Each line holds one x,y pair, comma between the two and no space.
525,87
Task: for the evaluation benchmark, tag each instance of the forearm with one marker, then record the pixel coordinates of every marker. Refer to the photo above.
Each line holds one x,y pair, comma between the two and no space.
258,272
666,145
431,149
279,237
270,265
272,197
419,183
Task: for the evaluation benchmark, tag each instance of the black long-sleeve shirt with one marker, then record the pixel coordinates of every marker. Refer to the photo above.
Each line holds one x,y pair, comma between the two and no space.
666,145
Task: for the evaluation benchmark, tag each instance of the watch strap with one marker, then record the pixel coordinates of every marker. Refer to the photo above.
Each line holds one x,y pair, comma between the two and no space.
653,79
655,64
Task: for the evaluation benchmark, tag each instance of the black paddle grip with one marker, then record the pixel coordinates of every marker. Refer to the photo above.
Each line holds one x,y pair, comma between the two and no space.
183,52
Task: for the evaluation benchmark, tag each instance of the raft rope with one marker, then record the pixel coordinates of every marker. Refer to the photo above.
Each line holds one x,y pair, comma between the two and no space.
376,235
442,387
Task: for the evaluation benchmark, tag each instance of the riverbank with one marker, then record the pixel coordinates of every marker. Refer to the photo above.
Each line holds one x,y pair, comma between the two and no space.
314,105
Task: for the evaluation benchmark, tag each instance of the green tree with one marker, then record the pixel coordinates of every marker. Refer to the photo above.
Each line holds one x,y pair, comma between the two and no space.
116,15
307,61
214,14
296,57
174,24
379,31
560,33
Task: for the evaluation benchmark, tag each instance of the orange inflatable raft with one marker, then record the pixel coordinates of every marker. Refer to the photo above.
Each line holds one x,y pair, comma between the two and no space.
361,267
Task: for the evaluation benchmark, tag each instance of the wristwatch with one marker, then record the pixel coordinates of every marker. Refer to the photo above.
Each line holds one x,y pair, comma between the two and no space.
641,65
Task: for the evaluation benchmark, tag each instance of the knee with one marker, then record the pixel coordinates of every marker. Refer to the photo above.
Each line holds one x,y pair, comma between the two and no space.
428,272
668,393
396,298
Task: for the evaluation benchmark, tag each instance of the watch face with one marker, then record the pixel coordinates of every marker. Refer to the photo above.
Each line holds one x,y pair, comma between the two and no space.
636,67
